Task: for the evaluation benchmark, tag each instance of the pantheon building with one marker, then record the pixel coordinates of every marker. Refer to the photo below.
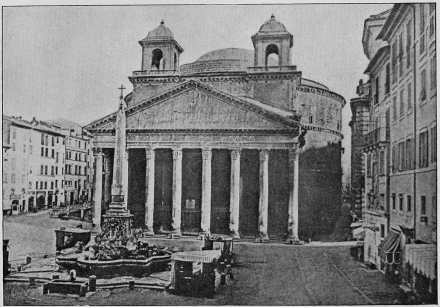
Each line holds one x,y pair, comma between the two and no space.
236,143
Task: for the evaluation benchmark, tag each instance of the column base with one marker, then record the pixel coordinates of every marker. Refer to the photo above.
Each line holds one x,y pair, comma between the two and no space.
205,233
262,238
175,234
235,235
148,233
294,241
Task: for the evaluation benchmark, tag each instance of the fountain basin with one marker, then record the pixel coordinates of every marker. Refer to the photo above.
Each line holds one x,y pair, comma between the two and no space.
66,287
115,268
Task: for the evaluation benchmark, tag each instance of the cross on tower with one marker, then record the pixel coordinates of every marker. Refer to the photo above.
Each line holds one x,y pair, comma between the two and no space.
122,88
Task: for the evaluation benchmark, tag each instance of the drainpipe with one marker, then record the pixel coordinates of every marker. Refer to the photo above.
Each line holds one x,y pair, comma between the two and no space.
415,122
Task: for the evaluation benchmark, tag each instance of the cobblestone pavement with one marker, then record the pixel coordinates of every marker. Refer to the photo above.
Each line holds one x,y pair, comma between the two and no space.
32,234
268,275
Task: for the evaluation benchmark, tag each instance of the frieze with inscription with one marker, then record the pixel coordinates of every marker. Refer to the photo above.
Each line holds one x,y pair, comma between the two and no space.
195,109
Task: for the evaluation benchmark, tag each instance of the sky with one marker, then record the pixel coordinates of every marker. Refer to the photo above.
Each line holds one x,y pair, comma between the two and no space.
69,61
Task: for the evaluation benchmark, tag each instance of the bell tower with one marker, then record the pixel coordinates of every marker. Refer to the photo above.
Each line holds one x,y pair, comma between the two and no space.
160,51
272,39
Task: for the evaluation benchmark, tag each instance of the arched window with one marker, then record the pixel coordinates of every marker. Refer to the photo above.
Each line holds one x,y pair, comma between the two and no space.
157,59
272,51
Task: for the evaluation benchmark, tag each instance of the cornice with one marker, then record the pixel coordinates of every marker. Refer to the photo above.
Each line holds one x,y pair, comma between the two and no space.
322,92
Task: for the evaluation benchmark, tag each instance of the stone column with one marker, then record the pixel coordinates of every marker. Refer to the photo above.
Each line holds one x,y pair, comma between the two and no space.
264,196
107,182
177,191
292,231
149,191
206,191
235,193
125,177
98,190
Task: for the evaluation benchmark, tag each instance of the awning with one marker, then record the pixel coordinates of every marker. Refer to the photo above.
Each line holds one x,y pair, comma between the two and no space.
423,257
391,242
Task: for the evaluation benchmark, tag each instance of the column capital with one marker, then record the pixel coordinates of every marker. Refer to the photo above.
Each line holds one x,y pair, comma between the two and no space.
294,154
149,153
235,154
97,151
206,153
264,154
177,153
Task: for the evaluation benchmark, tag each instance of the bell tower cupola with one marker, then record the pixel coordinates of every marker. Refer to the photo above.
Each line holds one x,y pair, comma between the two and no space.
272,39
160,51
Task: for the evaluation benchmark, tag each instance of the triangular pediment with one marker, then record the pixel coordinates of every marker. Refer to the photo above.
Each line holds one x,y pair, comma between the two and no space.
194,105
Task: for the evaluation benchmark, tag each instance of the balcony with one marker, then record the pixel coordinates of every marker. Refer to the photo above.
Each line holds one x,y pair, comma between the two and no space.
379,135
271,69
155,72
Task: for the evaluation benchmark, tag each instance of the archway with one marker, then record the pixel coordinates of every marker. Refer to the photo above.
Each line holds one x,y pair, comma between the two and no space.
40,202
157,59
31,204
15,206
272,51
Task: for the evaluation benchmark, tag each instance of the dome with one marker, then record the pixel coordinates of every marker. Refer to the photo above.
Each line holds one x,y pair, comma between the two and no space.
160,33
272,26
245,56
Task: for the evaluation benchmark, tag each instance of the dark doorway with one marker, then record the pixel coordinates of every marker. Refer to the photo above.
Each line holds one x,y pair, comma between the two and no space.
31,203
40,202
278,193
220,194
250,193
136,186
191,191
72,197
49,201
163,190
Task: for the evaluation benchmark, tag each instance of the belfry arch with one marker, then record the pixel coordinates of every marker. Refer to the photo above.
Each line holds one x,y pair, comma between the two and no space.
157,60
272,50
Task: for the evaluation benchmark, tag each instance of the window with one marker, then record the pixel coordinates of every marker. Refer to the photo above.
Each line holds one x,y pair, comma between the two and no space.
400,202
394,108
409,156
46,140
423,149
433,73
62,170
434,144
58,139
45,185
79,170
53,141
41,185
376,95
13,146
402,103
423,205
51,185
402,154
42,151
431,19
408,203
381,162
36,185
42,170
387,79
368,165
42,139
30,149
53,153
14,133
76,184
393,62
56,184
52,170
24,148
408,44
45,152
56,170
409,104
382,230
56,159
62,182
423,85
45,170
400,54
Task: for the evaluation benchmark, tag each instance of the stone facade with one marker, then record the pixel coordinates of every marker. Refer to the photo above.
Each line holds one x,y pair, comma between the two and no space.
214,145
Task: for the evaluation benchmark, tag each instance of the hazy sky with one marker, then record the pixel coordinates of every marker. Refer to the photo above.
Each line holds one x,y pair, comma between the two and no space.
68,61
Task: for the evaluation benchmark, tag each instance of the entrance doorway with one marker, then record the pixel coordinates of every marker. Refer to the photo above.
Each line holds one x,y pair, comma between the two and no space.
250,193
31,204
191,191
163,188
72,196
220,194
40,202
278,194
49,201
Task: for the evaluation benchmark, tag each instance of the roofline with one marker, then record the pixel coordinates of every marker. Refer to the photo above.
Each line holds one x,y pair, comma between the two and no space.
392,20
164,40
383,50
